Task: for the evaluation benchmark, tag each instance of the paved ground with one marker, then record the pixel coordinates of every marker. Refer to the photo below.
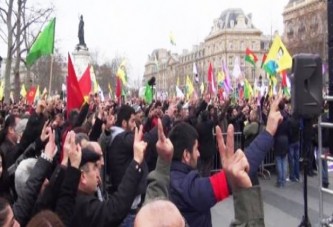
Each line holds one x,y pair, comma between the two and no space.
283,207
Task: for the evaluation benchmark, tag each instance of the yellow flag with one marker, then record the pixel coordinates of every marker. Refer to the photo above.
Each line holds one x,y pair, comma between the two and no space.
2,90
220,77
93,79
177,82
202,88
37,94
279,54
189,87
23,91
121,73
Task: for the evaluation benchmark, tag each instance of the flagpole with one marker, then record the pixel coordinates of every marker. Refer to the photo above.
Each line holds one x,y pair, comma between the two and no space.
51,75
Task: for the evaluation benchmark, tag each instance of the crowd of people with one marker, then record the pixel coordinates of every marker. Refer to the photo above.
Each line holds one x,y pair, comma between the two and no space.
141,165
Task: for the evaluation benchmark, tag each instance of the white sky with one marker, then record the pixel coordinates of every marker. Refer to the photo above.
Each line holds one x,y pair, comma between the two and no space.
134,28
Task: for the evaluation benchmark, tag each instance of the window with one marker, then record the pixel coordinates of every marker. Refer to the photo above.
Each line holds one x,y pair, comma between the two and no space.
254,46
230,45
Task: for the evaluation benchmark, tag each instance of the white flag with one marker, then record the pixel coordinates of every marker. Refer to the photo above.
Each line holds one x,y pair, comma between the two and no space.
179,93
236,71
195,73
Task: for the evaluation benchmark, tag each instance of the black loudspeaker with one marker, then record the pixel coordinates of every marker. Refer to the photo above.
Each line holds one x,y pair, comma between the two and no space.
307,86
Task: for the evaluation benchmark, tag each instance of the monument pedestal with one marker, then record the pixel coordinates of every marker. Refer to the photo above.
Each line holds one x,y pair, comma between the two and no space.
81,60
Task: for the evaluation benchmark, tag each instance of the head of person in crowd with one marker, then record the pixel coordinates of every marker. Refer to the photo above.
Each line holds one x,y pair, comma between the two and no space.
20,127
126,118
185,110
90,173
15,110
7,218
82,139
58,120
168,215
234,112
139,114
9,132
95,146
73,116
45,218
211,110
204,116
22,174
254,117
184,138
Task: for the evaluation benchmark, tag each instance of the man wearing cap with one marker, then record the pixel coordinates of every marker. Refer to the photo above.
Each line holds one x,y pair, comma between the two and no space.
89,210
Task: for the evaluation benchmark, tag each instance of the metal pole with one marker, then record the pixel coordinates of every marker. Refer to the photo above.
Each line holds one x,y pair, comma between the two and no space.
330,54
320,147
51,75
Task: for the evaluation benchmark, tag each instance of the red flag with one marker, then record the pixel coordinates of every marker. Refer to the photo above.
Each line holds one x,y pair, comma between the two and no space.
31,95
85,82
74,94
118,87
284,78
211,81
263,60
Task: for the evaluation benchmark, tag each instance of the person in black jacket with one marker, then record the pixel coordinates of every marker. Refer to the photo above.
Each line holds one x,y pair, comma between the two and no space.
281,144
89,210
207,144
120,150
294,148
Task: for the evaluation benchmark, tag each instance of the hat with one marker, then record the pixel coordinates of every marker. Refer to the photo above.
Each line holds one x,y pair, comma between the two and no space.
136,108
89,155
22,174
20,127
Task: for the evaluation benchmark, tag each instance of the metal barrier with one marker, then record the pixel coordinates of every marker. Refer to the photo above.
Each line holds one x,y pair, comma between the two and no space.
268,162
238,144
262,172
322,125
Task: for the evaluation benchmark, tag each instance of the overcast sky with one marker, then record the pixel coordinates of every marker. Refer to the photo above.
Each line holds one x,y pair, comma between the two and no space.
134,28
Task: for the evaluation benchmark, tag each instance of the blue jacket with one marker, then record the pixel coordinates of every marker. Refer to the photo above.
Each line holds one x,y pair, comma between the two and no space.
194,195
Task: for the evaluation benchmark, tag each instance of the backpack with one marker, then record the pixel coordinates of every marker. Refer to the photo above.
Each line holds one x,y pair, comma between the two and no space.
249,139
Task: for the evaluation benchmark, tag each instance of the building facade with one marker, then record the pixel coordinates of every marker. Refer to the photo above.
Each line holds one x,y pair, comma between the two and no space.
305,27
227,41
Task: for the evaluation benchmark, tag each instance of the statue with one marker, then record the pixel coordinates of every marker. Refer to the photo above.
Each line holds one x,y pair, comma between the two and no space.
81,33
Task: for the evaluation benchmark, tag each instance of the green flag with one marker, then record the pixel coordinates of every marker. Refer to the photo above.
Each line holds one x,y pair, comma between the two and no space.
148,94
43,45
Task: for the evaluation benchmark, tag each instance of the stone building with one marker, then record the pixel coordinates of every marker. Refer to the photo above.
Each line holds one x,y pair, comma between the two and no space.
228,39
305,27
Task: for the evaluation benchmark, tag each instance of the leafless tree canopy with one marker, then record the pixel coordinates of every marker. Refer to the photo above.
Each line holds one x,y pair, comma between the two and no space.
20,23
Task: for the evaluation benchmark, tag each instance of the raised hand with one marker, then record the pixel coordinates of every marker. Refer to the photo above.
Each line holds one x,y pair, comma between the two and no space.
50,147
139,146
274,116
44,135
234,164
164,146
75,156
68,146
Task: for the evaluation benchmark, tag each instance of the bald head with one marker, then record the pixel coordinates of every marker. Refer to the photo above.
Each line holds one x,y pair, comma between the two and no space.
98,149
159,213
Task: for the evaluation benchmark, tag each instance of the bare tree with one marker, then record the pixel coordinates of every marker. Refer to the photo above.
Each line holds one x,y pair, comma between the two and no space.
106,72
22,23
41,72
